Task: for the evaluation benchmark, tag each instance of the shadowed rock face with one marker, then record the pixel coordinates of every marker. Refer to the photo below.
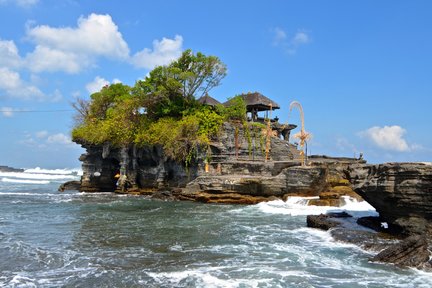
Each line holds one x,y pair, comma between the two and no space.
400,192
411,252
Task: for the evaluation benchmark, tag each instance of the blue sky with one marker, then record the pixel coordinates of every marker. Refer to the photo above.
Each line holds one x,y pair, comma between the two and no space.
361,69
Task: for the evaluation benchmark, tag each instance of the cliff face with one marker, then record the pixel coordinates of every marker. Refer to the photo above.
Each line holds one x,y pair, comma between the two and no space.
144,168
148,167
400,192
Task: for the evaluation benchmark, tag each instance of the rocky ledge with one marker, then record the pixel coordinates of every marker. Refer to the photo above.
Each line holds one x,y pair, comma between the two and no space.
400,192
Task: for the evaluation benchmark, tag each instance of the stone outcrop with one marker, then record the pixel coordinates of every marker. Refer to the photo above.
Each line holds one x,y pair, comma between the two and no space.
10,169
400,192
237,172
411,252
70,185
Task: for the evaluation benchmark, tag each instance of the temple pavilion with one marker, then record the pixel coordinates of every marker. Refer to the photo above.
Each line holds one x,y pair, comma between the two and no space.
255,103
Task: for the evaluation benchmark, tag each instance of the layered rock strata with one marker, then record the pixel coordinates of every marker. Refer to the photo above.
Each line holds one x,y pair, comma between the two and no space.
400,192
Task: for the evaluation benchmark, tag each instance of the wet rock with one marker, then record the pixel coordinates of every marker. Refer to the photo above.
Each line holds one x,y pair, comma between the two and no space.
374,223
368,240
400,192
163,195
411,252
322,221
70,185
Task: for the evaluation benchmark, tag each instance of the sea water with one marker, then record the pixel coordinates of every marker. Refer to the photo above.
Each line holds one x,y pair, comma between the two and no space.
72,239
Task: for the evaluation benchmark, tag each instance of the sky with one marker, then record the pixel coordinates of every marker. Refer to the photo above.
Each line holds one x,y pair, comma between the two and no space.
362,70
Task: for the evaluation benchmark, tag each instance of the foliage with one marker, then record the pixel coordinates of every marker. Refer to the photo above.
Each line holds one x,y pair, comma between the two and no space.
172,117
235,111
181,138
112,115
170,90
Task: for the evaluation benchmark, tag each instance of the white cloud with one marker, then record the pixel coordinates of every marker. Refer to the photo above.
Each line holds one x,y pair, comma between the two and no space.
43,139
164,52
59,138
72,49
7,111
11,83
9,56
290,44
44,58
300,38
387,138
99,82
279,36
41,134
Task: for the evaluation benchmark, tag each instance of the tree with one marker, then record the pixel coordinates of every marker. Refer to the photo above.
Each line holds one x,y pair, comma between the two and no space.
171,90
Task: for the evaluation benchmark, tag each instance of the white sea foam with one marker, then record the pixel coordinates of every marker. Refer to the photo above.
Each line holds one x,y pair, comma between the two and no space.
65,171
25,181
203,278
36,176
296,206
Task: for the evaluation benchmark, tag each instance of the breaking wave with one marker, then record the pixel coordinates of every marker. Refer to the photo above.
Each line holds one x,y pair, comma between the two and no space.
40,176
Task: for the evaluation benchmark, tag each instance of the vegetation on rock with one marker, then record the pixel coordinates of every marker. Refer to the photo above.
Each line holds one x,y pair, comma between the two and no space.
160,110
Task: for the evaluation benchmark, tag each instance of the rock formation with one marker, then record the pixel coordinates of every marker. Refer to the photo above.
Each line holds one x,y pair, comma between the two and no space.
10,169
400,192
236,173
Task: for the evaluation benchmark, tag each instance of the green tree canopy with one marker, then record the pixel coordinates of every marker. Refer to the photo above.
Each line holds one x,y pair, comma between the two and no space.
172,89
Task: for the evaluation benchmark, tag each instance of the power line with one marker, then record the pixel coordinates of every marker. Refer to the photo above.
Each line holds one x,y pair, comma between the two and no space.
36,111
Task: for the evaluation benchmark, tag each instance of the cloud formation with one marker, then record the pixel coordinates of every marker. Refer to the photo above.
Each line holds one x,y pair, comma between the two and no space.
7,111
163,52
43,139
15,87
73,49
290,44
387,137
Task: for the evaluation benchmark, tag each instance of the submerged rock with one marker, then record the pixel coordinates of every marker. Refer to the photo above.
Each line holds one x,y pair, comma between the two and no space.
322,221
70,185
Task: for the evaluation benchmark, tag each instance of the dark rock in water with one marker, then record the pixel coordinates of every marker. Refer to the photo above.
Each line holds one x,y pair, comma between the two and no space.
368,240
372,222
70,185
338,214
400,192
10,169
323,222
163,195
411,252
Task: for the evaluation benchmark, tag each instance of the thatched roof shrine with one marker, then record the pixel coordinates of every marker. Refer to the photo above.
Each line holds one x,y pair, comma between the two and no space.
257,102
207,100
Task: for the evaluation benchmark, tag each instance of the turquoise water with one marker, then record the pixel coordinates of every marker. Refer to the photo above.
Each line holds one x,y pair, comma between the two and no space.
71,239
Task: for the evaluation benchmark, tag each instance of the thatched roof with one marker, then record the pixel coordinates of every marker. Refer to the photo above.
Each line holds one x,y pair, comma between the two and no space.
207,100
258,102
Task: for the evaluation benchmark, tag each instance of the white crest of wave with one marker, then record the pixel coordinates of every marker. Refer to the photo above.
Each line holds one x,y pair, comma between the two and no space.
25,181
38,170
36,176
296,206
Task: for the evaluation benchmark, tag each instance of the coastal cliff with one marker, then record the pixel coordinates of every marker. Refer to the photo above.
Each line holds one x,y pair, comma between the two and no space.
236,172
400,192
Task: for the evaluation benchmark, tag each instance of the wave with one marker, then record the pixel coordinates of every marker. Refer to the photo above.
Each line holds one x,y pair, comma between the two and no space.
37,176
297,206
25,181
38,170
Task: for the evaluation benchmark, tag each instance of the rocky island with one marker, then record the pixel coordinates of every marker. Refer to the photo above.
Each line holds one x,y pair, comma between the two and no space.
156,139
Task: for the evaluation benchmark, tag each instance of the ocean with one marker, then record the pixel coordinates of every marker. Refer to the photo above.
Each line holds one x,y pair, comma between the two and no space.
72,239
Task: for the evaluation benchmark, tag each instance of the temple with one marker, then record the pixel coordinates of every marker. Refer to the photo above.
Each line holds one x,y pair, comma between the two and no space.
256,104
